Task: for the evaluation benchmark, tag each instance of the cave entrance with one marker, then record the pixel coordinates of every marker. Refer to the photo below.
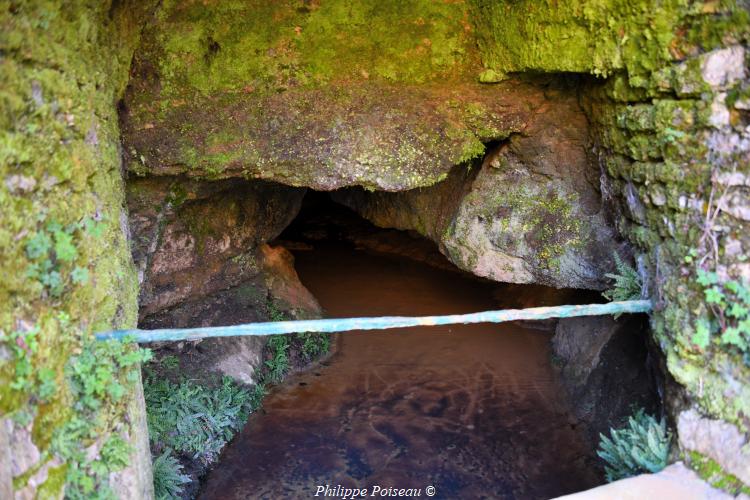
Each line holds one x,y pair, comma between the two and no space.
451,407
472,410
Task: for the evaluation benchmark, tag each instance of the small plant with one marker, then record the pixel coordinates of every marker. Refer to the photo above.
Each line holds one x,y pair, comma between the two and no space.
23,346
193,419
641,446
98,378
52,253
274,314
168,477
729,303
278,365
314,344
627,284
170,362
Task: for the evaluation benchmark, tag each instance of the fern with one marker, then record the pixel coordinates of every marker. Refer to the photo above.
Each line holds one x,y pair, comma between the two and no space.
193,419
168,476
278,365
314,344
627,283
641,446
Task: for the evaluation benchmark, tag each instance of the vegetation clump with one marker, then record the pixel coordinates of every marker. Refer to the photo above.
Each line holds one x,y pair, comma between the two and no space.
196,420
99,377
192,421
627,283
641,446
168,477
282,349
729,303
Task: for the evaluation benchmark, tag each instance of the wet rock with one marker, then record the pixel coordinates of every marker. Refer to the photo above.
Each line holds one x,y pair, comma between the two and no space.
719,440
531,213
287,292
604,367
674,482
192,239
380,136
25,453
276,290
200,249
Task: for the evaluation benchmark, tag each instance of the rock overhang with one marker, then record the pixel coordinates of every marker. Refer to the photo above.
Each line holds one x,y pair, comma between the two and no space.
384,95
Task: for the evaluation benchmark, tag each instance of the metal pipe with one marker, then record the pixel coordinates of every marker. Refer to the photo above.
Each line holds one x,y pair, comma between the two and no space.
377,323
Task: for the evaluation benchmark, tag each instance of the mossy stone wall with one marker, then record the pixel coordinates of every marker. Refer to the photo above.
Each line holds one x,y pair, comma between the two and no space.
670,131
64,256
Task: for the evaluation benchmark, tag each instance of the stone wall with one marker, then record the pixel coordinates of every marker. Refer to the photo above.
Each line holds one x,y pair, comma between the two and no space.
676,161
64,256
671,130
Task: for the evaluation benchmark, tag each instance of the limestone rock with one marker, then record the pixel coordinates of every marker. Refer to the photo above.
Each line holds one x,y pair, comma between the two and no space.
276,286
192,239
675,482
25,453
6,474
284,286
221,90
722,68
531,213
719,440
603,366
136,479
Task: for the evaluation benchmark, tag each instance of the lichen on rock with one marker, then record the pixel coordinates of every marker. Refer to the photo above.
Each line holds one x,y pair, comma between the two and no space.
530,212
250,90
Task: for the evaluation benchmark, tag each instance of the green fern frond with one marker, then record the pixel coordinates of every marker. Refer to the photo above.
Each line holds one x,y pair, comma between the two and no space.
627,283
193,419
642,446
168,476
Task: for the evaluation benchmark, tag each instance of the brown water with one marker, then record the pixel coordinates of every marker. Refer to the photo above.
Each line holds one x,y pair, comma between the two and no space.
474,411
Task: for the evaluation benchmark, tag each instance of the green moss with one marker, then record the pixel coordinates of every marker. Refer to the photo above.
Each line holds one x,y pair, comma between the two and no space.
260,45
60,143
54,484
600,36
713,474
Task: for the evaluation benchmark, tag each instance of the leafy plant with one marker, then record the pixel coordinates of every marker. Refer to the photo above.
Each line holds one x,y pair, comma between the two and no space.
98,378
96,374
170,362
194,419
52,252
641,446
23,346
278,365
168,477
274,313
729,303
314,344
627,283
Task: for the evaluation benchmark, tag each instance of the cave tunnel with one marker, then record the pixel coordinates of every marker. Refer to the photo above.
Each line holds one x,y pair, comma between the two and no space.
511,411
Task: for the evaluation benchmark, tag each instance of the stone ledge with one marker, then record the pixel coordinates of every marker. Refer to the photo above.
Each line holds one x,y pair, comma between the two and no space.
675,482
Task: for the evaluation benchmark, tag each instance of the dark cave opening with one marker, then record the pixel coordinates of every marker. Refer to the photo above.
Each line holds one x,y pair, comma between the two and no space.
539,387
460,405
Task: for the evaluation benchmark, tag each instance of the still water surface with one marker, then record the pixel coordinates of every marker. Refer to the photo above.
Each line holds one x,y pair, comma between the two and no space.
474,411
